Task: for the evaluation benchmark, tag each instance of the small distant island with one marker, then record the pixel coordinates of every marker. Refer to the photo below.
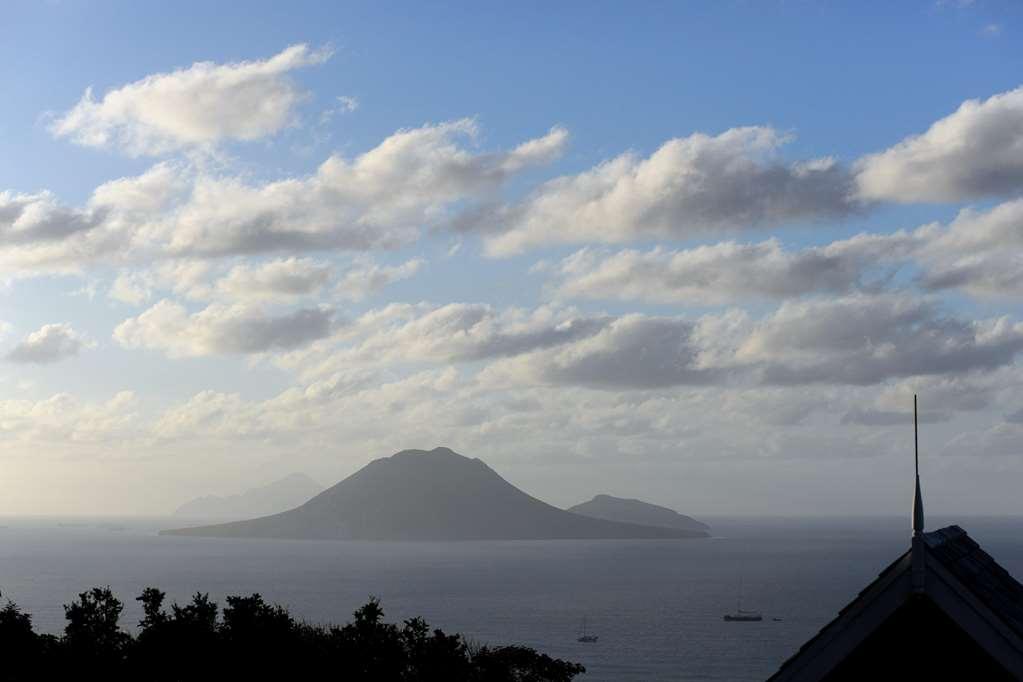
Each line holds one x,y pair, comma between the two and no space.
636,511
281,495
431,495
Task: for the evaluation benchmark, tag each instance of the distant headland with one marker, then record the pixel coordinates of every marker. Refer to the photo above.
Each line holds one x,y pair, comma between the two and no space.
431,495
635,511
285,493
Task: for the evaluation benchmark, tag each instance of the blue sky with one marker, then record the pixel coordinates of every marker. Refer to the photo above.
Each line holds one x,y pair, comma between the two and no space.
845,80
497,297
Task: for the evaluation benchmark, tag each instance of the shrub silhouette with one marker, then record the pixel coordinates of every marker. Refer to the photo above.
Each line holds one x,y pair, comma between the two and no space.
251,639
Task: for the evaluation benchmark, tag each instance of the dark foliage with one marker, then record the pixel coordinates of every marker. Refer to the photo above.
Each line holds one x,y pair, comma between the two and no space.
252,640
18,642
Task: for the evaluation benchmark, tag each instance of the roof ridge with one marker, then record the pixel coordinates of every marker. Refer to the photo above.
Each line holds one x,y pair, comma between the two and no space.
943,535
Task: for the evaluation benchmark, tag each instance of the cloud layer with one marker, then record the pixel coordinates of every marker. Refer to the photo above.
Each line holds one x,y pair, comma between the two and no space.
727,272
415,179
676,291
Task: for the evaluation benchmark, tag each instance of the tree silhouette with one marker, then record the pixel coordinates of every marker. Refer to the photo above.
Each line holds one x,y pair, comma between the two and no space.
152,608
19,643
252,639
92,633
522,664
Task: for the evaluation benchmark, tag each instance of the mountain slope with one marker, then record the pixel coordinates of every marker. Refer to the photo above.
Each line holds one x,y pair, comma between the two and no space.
434,495
286,493
636,511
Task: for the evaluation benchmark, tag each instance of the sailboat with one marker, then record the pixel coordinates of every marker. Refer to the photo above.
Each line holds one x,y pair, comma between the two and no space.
745,616
741,615
584,637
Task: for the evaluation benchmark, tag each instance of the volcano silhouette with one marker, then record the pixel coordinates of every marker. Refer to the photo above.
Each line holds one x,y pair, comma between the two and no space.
429,495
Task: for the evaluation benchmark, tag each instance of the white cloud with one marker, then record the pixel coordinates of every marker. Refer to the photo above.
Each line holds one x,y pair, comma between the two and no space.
688,187
402,334
414,179
50,343
299,413
280,279
969,393
38,234
733,181
381,199
39,219
346,104
64,418
192,108
222,329
863,340
855,340
277,280
132,288
980,252
631,352
975,152
191,278
727,272
205,412
1000,440
875,418
367,278
145,194
88,290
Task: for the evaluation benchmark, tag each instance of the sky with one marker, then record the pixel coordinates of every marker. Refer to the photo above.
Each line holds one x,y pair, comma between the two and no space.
701,254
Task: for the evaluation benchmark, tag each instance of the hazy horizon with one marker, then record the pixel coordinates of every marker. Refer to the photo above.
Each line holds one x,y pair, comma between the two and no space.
701,255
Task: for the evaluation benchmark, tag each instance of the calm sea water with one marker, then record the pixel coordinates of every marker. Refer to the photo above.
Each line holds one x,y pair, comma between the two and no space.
656,605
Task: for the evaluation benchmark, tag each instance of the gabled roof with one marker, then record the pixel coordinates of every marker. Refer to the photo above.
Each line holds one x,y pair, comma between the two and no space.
956,575
979,572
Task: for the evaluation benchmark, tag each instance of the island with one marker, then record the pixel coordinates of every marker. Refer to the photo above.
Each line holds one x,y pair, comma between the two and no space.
636,511
283,494
421,495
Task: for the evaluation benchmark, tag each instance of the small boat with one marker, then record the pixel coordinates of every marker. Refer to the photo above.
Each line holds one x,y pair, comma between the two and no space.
744,616
741,616
584,637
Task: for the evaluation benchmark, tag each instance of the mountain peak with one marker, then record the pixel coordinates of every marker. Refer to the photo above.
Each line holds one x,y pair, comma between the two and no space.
440,451
439,457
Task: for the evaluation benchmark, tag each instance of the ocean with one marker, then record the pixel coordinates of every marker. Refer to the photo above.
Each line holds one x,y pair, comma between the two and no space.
656,606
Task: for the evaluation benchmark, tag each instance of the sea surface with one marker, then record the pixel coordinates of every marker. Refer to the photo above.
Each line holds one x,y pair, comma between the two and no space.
656,605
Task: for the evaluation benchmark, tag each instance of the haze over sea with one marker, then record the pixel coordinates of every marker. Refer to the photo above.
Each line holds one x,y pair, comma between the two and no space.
656,605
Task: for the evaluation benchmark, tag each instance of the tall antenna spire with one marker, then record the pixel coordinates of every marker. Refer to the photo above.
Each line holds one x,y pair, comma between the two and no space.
918,500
